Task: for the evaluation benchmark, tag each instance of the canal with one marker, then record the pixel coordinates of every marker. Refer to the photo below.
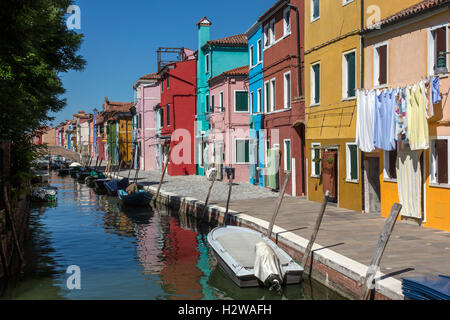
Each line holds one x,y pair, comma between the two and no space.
126,253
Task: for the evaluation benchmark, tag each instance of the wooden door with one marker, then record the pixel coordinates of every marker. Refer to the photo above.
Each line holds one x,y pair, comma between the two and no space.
329,172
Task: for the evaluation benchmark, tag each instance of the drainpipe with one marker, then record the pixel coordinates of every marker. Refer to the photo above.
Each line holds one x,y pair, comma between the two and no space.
363,204
299,75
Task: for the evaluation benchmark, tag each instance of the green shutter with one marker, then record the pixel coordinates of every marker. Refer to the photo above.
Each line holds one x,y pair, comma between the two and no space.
317,163
287,145
316,69
351,73
247,151
353,162
207,104
241,101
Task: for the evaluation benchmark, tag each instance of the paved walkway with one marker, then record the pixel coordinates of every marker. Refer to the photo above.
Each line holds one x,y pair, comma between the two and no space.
411,251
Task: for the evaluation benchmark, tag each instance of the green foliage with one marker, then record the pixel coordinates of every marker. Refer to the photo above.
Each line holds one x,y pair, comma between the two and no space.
35,48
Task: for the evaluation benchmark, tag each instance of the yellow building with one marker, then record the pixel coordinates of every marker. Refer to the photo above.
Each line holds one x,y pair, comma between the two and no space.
333,72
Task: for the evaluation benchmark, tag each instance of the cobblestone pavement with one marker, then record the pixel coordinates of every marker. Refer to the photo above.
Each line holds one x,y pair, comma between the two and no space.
197,187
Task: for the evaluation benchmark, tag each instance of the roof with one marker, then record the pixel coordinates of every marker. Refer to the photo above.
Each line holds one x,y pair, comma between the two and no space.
239,40
204,21
272,9
418,8
241,71
147,77
115,106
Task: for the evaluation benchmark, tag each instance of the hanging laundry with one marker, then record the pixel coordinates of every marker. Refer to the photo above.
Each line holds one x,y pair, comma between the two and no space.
401,121
436,90
365,120
428,99
417,120
384,124
273,158
409,182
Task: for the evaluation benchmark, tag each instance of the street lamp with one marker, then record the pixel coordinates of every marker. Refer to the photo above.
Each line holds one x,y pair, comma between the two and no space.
442,65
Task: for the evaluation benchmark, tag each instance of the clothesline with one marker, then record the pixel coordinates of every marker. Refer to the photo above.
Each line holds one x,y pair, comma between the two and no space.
425,79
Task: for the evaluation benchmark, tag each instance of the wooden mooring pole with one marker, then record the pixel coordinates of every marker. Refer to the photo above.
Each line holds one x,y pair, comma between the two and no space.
2,251
209,192
369,284
230,182
10,216
162,176
316,230
277,207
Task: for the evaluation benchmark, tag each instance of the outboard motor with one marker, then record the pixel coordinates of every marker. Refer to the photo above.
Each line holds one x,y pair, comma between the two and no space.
268,267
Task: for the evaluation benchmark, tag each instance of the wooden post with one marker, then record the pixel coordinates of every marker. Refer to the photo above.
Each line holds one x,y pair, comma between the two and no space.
2,251
10,216
229,193
162,176
378,254
277,207
316,230
209,192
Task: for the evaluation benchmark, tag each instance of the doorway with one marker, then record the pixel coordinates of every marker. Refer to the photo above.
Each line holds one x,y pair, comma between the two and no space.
330,174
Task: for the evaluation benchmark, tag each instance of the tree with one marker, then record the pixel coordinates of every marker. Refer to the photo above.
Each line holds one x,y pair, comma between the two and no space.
35,47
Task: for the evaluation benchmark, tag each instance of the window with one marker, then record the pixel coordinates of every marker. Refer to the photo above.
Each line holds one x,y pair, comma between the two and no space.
161,118
140,120
381,65
266,95
259,100
352,162
315,84
287,90
345,2
212,103
439,161
390,165
272,32
252,58
162,86
272,95
207,104
315,160
259,50
251,101
168,115
242,147
287,155
315,10
349,75
168,81
266,36
240,101
207,63
287,21
437,42
222,108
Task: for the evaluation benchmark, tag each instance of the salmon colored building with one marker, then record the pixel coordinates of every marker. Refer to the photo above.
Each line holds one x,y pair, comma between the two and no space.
229,134
177,114
283,95
403,51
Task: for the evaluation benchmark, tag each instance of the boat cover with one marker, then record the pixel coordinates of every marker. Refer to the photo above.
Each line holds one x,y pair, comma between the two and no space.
427,288
267,265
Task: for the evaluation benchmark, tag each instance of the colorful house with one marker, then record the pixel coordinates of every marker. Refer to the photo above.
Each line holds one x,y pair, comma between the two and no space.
413,36
147,96
283,95
177,113
256,100
213,58
229,138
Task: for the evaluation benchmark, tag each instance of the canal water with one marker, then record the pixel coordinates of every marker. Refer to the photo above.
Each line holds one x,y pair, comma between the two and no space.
126,253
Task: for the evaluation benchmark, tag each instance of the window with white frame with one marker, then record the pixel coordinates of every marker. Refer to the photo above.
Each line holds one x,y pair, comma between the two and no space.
242,151
252,58
349,75
266,36
207,63
315,83
287,90
207,103
272,32
259,100
259,50
213,105
273,90
439,160
315,10
287,21
437,43
316,160
266,96
381,62
287,155
221,106
352,157
240,101
390,165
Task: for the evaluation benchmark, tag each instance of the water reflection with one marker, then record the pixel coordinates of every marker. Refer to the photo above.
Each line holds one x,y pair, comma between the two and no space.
126,253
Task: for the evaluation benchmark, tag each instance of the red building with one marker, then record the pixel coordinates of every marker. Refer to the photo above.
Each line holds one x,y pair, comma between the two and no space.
178,84
283,91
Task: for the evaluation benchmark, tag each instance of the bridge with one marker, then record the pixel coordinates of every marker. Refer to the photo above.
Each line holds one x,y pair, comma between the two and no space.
63,152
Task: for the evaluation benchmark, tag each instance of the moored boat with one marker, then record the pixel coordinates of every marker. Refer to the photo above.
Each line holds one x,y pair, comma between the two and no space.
138,199
114,185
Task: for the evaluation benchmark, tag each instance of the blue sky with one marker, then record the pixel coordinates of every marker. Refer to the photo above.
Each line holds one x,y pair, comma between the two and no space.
121,39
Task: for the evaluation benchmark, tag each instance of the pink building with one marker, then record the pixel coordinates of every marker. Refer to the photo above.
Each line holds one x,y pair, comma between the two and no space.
148,95
229,122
